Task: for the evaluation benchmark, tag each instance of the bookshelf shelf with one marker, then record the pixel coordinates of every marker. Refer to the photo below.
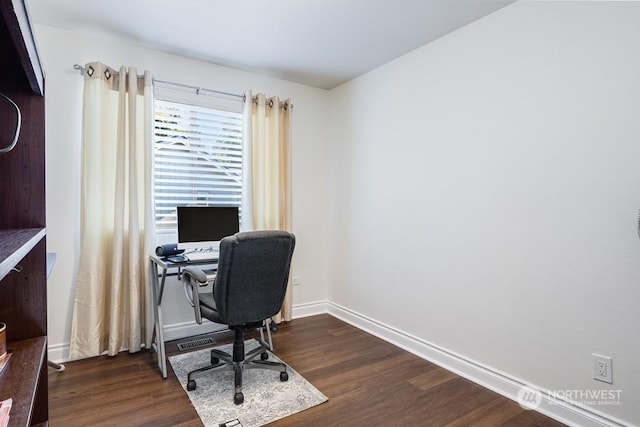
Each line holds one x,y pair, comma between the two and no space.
20,377
15,245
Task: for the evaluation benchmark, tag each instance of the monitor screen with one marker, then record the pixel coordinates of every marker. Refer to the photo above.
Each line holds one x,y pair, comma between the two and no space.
205,226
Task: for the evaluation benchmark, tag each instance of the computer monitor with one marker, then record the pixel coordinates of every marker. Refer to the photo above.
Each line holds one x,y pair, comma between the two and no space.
204,226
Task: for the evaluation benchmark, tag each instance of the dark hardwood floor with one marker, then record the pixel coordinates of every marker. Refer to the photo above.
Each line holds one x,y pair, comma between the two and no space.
369,382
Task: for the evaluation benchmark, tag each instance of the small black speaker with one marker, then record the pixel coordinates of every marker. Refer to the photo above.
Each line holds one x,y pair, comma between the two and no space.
168,250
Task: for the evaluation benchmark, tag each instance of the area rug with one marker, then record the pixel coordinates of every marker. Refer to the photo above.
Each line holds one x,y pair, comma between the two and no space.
266,398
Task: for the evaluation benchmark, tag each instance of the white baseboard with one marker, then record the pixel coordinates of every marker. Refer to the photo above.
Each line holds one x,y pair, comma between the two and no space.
485,376
310,309
58,353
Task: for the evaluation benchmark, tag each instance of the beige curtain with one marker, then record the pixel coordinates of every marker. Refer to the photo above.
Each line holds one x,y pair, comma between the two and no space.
110,311
269,189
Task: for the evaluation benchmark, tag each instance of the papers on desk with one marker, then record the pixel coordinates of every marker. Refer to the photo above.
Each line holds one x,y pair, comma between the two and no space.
201,256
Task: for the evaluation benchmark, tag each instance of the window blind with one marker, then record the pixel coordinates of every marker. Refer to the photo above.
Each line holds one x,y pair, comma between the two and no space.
198,159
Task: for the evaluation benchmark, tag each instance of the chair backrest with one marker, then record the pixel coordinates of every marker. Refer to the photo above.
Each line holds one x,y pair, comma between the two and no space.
253,271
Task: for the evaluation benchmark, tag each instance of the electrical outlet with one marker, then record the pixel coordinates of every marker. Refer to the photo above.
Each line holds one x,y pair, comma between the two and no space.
602,368
296,280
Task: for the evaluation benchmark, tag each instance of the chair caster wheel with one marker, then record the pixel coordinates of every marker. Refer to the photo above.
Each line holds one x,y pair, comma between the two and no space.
274,327
264,356
191,385
284,376
238,398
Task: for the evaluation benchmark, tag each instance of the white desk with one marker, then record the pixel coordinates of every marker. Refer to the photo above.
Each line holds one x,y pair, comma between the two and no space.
158,274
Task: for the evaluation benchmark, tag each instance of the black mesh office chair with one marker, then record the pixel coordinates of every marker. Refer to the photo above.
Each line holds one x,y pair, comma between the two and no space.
253,271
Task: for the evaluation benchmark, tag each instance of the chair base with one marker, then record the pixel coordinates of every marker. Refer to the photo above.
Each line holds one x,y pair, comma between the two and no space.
238,361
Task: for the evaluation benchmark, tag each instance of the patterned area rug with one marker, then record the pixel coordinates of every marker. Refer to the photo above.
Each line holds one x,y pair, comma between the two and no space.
266,398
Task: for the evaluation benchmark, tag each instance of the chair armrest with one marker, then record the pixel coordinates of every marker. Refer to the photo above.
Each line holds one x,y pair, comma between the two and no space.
196,273
192,278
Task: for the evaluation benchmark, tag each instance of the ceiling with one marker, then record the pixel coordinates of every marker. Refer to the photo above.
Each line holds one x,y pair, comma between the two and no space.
320,43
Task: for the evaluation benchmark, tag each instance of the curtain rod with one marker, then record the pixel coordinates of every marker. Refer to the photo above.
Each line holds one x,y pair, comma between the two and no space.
196,88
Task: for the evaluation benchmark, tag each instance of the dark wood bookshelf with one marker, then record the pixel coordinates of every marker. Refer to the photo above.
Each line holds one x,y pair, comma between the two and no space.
20,377
23,252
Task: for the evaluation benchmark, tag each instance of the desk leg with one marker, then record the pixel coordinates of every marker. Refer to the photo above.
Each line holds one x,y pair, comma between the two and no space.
157,338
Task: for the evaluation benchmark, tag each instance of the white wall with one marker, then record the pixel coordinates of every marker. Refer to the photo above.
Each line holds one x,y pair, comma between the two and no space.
483,189
485,192
59,51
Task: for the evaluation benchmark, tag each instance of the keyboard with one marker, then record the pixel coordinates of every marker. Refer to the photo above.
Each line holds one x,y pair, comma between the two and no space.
201,256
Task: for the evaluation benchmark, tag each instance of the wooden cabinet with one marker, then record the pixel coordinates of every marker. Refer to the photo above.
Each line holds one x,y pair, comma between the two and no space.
23,287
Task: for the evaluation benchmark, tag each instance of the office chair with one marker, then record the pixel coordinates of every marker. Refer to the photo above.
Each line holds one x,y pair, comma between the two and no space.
253,271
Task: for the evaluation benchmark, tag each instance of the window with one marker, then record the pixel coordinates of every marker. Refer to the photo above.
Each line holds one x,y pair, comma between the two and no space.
198,159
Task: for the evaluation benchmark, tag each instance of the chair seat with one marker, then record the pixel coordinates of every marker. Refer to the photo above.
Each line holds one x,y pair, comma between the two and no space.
208,304
208,301
209,309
